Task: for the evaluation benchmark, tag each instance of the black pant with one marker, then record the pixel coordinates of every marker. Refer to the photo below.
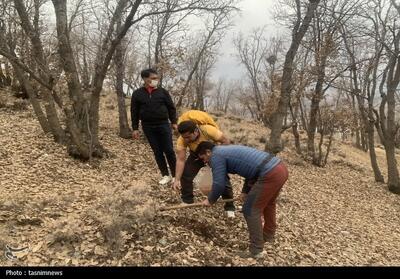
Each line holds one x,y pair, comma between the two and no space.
160,140
193,165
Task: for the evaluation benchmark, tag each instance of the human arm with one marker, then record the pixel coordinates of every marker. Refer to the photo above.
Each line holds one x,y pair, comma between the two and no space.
224,140
219,174
135,109
171,109
180,165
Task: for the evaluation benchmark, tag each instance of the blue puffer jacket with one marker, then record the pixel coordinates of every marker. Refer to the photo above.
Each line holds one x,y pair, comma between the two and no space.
236,159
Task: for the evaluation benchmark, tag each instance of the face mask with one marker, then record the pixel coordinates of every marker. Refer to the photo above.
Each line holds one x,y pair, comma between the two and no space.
154,83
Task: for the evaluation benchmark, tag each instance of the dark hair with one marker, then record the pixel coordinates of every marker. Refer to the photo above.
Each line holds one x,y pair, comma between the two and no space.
186,126
146,73
203,147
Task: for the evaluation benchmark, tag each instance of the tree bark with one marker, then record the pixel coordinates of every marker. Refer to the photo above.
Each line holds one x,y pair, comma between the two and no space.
77,109
274,145
103,61
315,100
372,154
23,80
124,130
295,131
393,81
328,149
52,116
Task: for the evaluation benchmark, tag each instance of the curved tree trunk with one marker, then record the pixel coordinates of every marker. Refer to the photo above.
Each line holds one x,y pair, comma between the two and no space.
274,145
371,146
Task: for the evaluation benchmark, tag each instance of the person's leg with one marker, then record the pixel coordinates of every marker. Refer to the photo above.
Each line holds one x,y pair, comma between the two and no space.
192,167
252,213
168,147
228,194
273,184
152,136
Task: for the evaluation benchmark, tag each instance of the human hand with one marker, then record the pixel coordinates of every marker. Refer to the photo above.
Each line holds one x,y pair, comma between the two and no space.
135,134
176,185
243,197
174,127
206,203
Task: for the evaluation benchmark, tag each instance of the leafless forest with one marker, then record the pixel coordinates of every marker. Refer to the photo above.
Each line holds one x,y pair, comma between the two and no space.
324,96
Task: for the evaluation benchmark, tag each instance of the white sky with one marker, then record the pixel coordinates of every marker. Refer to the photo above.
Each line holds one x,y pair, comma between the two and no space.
254,13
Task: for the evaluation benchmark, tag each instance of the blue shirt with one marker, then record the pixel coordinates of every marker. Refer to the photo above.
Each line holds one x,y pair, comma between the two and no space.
236,159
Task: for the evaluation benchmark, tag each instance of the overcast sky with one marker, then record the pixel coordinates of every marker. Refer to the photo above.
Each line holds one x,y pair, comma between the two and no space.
255,13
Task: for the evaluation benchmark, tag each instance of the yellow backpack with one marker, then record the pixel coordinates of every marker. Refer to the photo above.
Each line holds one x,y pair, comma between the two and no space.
199,117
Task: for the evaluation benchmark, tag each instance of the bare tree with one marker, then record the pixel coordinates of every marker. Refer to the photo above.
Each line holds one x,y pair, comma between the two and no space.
201,80
80,105
391,78
361,88
124,129
325,42
218,25
252,52
222,95
302,80
31,30
299,30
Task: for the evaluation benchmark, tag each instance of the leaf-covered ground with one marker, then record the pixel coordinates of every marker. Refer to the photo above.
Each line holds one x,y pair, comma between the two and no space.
69,212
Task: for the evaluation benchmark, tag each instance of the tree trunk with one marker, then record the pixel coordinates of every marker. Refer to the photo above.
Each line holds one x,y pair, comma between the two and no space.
315,100
318,161
312,126
85,70
7,72
295,131
32,98
51,112
358,145
103,60
2,77
371,121
393,172
328,149
274,145
124,130
371,146
77,113
364,142
303,116
199,99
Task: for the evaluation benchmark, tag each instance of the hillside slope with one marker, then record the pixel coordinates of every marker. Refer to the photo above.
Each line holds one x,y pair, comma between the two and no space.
71,213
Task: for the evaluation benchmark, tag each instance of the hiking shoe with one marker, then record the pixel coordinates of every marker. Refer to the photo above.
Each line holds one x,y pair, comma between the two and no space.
269,237
165,180
247,255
